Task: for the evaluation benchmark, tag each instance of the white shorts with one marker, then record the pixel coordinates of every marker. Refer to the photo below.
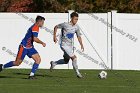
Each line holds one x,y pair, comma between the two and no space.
69,50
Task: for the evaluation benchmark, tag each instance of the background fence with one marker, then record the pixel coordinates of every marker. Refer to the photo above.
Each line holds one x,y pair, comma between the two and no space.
110,39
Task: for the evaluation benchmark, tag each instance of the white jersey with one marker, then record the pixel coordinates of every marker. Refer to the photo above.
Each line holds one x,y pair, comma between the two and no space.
67,33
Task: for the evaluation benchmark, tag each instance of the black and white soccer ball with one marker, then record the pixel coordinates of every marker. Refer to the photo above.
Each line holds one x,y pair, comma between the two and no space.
102,75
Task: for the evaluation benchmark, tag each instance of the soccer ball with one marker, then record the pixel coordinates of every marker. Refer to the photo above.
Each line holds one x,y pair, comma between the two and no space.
102,75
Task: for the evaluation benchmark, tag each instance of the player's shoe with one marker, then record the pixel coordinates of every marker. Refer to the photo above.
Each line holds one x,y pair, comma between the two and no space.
79,76
52,66
1,65
32,77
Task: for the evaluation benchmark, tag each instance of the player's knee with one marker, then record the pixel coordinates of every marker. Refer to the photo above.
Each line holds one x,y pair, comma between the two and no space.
17,63
74,58
66,60
38,60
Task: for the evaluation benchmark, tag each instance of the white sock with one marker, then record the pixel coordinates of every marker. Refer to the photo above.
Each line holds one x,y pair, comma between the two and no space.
75,66
32,74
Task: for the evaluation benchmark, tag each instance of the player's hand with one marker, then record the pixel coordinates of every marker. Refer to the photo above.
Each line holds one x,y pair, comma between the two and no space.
44,44
82,48
55,40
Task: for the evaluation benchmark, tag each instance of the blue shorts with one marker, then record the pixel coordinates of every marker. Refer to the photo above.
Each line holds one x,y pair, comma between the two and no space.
22,52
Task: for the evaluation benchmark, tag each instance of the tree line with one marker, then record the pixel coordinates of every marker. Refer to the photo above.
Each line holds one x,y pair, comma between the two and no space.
61,6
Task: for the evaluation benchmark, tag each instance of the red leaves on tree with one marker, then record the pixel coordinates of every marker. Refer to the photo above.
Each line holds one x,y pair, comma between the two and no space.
21,6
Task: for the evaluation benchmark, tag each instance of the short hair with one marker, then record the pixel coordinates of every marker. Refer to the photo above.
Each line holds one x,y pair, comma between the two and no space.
39,18
74,14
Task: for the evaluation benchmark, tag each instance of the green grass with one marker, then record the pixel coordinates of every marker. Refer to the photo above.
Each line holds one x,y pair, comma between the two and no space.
65,81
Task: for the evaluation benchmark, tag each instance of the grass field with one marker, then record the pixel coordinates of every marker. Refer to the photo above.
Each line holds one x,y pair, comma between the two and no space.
64,81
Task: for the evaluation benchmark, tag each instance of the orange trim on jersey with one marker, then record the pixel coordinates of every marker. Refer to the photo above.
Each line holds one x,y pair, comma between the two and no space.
35,28
20,52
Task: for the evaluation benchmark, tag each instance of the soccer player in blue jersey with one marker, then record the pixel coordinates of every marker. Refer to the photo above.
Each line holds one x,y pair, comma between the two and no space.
27,48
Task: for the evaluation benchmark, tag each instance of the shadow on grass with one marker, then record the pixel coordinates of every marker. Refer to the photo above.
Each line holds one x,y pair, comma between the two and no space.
6,77
40,75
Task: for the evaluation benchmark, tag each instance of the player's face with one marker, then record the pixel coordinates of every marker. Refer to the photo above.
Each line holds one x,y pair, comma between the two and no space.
41,23
74,20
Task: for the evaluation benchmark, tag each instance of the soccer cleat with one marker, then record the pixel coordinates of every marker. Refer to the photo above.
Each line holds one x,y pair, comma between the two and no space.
99,76
1,65
79,76
52,66
32,77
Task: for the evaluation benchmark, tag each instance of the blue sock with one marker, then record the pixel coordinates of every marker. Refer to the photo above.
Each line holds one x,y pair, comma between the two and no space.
10,64
34,68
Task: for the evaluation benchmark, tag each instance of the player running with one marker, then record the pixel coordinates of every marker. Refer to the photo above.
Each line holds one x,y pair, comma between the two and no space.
27,48
68,29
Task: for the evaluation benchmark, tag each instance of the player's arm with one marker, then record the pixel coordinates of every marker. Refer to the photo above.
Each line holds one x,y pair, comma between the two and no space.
35,31
37,40
59,26
79,38
54,35
81,43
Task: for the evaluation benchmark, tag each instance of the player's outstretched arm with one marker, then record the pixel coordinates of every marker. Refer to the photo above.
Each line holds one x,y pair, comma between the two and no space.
54,35
39,41
81,43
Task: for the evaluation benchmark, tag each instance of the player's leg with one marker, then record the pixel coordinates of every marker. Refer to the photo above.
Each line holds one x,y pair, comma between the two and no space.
66,58
35,66
36,57
1,67
75,66
69,51
20,56
61,61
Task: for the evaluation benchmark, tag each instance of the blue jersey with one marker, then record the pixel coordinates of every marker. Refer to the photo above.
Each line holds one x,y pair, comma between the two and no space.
32,32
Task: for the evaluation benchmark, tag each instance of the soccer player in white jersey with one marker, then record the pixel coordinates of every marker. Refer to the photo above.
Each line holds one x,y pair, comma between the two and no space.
68,29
